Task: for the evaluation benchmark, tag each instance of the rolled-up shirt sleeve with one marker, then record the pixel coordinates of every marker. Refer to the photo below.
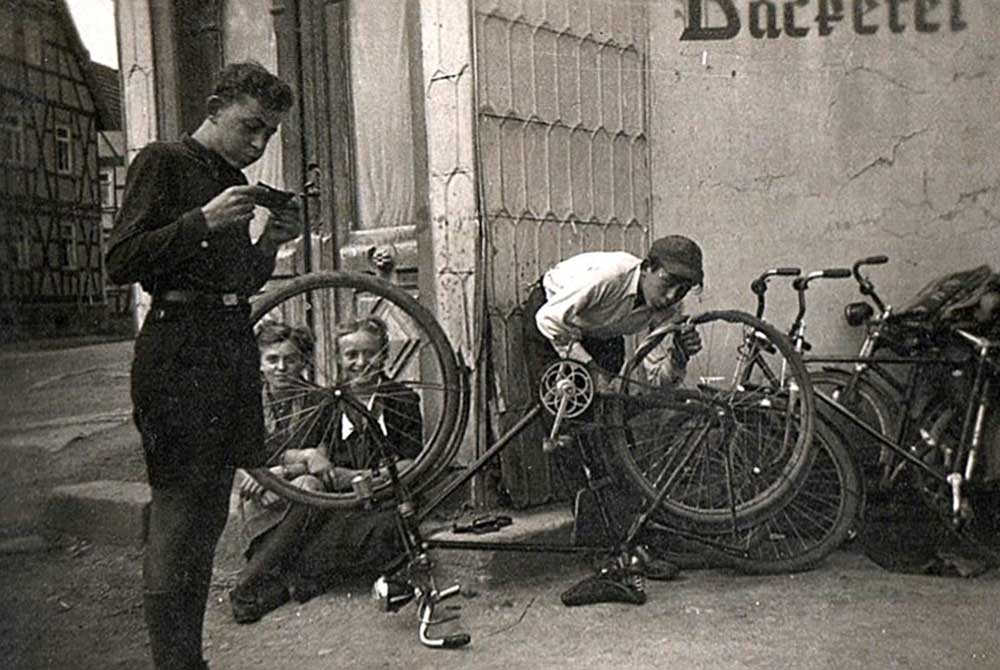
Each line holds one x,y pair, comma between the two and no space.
147,241
555,320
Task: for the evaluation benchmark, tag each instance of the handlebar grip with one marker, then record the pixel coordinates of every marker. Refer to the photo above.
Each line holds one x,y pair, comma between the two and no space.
836,273
788,272
873,260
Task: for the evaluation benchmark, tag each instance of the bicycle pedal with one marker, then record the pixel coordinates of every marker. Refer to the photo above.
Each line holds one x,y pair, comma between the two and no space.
552,444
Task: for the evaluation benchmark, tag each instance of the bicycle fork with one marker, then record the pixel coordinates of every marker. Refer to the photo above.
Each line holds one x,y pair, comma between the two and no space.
418,572
972,426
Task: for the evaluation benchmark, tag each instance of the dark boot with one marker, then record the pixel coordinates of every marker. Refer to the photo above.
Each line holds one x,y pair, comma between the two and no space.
194,604
169,631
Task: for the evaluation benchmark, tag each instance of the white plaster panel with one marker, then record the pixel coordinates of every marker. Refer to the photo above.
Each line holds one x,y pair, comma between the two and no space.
442,133
494,74
544,76
521,60
452,193
560,192
135,56
535,166
578,15
817,151
602,175
568,80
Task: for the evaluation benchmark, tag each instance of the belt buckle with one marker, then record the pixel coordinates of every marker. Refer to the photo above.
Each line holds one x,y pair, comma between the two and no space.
230,299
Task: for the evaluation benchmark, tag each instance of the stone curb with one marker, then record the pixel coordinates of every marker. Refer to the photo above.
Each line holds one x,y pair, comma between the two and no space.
106,511
116,512
551,525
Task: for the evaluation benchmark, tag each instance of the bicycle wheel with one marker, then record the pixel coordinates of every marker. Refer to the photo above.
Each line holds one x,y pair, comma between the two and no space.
419,361
821,515
872,404
973,530
729,442
819,518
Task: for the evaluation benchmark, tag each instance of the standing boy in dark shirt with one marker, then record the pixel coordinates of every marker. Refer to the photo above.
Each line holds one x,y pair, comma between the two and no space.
183,233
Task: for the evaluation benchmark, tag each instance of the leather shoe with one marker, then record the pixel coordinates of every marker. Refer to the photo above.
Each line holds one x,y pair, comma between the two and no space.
249,604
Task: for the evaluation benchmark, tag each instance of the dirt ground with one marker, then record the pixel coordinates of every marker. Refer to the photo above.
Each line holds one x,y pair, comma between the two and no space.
69,604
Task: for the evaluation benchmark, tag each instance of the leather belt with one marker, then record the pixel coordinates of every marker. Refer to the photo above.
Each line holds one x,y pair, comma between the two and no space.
201,298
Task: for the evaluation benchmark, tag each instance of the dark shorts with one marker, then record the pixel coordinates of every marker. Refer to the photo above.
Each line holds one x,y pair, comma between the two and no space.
196,393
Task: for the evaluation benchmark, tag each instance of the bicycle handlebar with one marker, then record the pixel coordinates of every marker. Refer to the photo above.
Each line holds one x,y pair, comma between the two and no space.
871,260
759,285
864,283
801,284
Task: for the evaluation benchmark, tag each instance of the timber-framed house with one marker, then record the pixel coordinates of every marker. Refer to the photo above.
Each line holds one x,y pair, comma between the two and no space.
50,208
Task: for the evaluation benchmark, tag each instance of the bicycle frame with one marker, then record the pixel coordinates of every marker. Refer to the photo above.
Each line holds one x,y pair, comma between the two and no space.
952,471
959,469
414,517
644,519
415,497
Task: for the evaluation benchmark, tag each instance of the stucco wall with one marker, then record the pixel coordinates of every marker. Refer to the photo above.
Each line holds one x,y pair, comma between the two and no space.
817,150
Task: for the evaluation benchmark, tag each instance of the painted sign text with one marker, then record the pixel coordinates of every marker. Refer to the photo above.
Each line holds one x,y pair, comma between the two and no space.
769,19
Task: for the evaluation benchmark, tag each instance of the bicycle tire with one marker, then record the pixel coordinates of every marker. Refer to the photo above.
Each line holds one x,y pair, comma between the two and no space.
872,404
824,512
773,429
829,503
423,351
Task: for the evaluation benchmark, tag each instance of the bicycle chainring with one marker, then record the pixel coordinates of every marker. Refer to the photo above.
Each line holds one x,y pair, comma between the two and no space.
570,379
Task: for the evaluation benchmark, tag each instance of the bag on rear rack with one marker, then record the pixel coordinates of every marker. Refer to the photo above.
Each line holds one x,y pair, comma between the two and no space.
953,298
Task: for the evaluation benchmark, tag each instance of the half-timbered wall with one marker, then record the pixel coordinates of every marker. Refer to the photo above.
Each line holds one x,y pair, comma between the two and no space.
564,159
50,236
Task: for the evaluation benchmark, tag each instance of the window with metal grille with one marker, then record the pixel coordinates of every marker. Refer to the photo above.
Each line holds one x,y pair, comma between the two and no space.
12,139
64,150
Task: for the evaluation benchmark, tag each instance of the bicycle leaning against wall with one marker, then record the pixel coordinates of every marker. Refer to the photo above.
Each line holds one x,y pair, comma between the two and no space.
710,456
916,401
826,506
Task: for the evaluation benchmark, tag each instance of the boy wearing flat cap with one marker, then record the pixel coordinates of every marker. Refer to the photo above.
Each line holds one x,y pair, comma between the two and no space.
582,309
585,305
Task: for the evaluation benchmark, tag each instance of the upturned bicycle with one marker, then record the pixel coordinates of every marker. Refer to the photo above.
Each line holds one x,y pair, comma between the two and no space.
709,457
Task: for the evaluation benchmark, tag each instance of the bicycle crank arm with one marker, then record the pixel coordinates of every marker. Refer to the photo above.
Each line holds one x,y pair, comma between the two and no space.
563,387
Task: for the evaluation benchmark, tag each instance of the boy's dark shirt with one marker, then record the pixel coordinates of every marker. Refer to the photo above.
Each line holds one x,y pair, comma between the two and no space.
161,239
403,426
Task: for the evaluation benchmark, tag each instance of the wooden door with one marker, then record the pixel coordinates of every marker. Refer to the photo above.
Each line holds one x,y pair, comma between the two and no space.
325,157
565,169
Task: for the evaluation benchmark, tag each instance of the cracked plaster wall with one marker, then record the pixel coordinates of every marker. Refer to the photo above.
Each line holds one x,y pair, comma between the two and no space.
814,152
